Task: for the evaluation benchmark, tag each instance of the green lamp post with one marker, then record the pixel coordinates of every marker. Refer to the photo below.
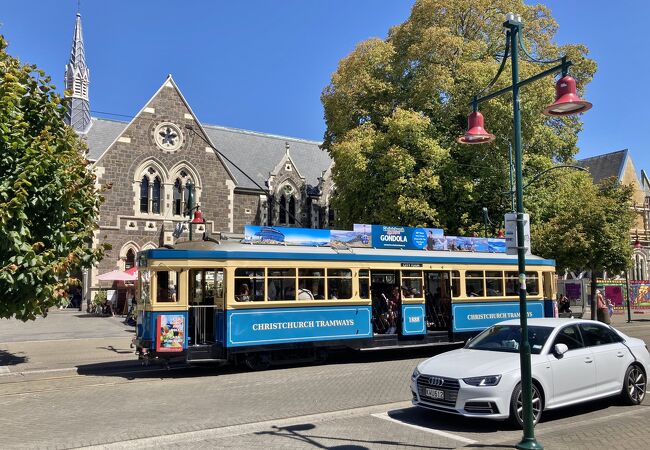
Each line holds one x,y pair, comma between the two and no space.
567,102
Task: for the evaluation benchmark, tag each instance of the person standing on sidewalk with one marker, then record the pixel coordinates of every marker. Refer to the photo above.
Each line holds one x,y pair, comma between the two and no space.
602,313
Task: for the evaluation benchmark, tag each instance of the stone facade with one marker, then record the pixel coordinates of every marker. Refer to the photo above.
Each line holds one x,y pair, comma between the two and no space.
148,163
153,163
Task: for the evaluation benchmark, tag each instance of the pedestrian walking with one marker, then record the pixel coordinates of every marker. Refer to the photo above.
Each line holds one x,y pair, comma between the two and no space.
602,313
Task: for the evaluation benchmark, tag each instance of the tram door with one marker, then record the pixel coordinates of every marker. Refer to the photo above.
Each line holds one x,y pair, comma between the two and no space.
382,283
437,286
205,291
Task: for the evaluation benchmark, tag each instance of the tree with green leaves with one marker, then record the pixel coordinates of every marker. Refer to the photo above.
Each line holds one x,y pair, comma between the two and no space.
588,228
395,107
49,205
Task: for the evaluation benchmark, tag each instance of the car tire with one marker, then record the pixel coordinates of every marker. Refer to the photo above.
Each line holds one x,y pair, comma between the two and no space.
634,385
516,408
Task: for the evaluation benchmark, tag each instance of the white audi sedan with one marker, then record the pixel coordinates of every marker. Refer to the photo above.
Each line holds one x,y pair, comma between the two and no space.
572,361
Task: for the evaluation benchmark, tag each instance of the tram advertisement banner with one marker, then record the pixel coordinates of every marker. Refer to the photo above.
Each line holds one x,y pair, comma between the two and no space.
478,316
369,236
170,332
410,238
283,325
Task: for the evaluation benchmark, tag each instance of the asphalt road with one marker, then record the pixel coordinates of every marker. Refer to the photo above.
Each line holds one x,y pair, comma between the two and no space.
50,398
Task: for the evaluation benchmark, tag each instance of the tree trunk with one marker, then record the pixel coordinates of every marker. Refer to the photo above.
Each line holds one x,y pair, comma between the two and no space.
593,295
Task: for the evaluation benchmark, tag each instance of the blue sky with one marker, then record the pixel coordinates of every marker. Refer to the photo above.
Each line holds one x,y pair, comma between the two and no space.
262,64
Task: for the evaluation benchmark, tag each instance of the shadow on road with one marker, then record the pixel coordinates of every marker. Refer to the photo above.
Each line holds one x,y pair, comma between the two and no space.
305,433
11,359
458,424
135,370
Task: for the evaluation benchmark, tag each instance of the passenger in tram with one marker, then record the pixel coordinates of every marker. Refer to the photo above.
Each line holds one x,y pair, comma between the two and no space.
305,294
244,294
393,310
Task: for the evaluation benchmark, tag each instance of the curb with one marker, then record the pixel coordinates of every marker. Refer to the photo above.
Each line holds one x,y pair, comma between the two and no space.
91,369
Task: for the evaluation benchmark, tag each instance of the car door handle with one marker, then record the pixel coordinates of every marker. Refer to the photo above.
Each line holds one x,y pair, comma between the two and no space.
588,360
620,354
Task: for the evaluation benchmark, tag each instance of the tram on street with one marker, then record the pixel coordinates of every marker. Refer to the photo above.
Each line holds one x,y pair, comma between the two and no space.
231,301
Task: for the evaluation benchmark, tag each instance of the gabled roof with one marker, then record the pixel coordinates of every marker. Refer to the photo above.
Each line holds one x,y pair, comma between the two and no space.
605,166
255,153
101,135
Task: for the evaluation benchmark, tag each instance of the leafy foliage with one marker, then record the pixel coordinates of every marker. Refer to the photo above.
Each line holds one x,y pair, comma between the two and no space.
388,94
48,202
589,226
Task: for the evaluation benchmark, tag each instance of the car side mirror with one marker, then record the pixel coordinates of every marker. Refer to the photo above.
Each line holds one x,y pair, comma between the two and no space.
560,349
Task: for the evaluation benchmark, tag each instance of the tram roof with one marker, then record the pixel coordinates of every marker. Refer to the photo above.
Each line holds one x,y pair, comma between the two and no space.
229,250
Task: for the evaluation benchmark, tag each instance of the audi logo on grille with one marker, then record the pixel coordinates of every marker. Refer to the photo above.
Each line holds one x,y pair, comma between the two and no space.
436,381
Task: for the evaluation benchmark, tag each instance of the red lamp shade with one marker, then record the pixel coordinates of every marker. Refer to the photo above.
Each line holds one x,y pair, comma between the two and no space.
198,217
475,133
566,99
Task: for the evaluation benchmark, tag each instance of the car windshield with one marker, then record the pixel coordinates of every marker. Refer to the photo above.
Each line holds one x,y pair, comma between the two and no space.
506,338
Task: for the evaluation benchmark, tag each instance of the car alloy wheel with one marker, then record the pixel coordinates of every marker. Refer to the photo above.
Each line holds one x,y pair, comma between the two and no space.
517,405
634,385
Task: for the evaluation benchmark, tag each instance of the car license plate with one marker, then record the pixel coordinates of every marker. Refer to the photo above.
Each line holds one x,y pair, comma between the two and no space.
435,393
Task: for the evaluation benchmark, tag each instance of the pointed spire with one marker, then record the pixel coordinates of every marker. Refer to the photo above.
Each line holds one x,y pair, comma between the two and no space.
77,79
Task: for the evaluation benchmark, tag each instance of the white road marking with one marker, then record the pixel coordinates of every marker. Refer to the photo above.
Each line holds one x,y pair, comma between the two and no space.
445,434
4,369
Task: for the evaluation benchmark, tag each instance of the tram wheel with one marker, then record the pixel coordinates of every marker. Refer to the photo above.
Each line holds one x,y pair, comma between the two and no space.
257,361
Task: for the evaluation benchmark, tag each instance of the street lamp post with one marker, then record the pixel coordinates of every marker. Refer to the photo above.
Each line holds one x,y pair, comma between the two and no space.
567,102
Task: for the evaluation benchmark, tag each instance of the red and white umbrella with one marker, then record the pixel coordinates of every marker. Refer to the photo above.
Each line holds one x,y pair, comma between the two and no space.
117,275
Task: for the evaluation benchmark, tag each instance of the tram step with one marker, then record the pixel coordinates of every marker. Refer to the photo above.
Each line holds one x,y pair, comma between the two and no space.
204,353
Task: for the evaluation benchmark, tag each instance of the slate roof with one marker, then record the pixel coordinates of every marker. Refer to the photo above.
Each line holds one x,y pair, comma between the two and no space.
605,166
102,133
257,154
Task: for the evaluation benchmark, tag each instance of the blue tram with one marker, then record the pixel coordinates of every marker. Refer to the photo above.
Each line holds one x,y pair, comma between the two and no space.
260,304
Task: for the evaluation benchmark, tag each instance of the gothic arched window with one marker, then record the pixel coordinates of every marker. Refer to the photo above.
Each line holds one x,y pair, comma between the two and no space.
331,217
178,197
144,194
292,210
130,259
283,209
155,196
639,267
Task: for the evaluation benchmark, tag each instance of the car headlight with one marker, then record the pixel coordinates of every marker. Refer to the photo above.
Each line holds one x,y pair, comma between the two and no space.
490,380
415,374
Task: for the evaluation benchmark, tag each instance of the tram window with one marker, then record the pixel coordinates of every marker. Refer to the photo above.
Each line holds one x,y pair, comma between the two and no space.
145,286
532,283
339,284
364,283
205,286
412,284
167,287
218,284
494,283
282,284
249,285
474,283
455,283
512,283
548,279
311,284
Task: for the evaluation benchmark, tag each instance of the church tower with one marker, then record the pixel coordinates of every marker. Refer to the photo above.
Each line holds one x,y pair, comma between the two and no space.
77,78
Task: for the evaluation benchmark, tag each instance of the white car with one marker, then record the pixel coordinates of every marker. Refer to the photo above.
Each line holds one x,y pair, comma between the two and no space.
572,361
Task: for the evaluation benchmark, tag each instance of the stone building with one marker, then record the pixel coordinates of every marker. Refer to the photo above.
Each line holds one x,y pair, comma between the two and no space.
619,165
240,177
